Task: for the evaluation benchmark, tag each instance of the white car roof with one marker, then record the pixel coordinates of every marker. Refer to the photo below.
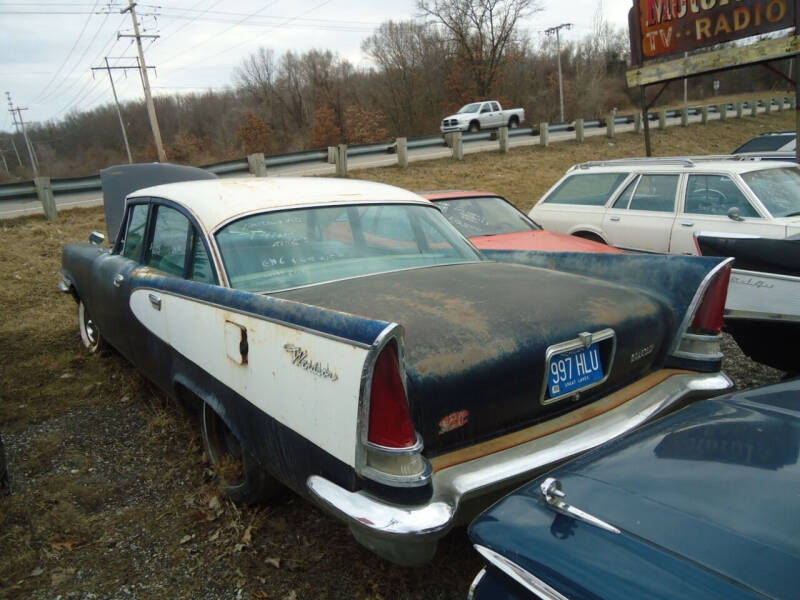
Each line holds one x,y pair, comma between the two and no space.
685,165
214,201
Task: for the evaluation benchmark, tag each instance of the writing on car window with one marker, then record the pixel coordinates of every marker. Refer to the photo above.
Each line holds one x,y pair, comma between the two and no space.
283,249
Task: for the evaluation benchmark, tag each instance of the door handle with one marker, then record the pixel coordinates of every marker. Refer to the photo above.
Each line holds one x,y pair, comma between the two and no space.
118,279
687,224
613,218
155,301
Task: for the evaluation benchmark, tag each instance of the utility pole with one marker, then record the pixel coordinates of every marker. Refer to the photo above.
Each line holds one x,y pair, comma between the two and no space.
555,30
116,101
21,125
5,164
151,109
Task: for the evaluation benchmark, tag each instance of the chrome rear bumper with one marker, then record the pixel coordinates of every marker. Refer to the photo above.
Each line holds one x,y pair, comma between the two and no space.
408,534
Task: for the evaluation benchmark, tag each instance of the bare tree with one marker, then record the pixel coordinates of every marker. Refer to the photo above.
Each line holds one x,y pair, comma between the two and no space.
481,31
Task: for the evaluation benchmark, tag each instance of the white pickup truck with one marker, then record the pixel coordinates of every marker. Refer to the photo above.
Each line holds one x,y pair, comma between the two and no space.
483,115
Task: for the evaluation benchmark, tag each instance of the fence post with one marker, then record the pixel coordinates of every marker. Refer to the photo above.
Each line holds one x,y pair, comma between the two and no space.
704,114
723,111
792,102
637,123
684,117
502,136
458,146
780,103
402,152
662,119
331,155
753,107
45,193
544,134
768,105
579,130
256,164
610,125
341,160
738,107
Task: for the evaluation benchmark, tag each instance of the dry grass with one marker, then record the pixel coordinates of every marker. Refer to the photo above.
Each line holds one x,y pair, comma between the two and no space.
111,488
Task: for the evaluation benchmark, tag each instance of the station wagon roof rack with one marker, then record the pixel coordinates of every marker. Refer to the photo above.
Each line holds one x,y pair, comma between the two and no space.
668,160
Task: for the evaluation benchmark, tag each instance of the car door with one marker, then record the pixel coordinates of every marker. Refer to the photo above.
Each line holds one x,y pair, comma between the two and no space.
706,201
498,117
486,116
174,248
111,276
641,217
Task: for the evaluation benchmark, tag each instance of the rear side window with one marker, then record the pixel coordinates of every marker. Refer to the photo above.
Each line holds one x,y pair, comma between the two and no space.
170,234
715,195
591,189
134,237
655,193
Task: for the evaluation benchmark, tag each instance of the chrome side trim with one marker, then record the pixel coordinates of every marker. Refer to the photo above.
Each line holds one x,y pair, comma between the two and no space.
531,583
554,496
302,328
760,316
475,583
699,347
696,299
573,344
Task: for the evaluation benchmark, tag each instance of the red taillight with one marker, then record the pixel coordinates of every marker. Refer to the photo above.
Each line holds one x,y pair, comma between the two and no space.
389,418
708,316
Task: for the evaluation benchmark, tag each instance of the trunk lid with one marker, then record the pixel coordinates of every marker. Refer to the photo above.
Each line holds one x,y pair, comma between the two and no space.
476,336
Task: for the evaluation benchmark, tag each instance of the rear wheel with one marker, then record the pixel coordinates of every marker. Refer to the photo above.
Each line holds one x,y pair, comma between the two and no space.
239,476
513,122
90,334
474,127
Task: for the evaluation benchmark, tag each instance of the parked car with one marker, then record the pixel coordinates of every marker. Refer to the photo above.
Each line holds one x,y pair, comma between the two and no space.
700,504
492,222
762,311
777,141
483,115
656,205
343,339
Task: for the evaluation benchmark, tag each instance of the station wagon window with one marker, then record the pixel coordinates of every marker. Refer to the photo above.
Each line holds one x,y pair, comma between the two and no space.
588,190
625,197
134,237
715,195
282,249
778,189
655,193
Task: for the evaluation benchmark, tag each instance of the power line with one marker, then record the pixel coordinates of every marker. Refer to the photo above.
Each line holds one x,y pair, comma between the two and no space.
69,55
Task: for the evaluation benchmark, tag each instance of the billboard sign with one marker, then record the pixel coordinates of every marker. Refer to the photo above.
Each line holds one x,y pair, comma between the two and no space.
660,28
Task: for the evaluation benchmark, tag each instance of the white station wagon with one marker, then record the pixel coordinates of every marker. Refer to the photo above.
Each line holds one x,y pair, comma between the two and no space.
655,205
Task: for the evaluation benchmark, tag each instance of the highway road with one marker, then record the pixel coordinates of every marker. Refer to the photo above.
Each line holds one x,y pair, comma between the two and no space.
29,206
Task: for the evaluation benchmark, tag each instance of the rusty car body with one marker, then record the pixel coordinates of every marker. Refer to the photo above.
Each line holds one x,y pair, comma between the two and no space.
341,338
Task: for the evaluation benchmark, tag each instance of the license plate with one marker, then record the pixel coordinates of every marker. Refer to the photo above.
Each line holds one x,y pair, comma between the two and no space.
573,370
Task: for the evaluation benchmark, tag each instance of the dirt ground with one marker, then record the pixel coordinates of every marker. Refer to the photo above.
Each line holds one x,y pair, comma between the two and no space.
112,495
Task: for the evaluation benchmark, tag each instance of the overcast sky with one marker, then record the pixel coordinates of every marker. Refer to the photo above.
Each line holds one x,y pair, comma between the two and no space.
48,48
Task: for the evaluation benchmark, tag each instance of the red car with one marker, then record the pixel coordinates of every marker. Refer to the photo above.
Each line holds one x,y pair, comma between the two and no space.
492,223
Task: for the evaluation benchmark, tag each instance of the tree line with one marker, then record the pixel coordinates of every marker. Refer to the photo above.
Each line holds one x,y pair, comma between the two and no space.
420,71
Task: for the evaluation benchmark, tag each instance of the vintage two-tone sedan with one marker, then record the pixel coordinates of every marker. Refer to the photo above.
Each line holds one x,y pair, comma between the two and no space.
343,339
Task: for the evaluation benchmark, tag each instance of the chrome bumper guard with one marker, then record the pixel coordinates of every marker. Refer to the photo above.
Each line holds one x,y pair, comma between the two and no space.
408,534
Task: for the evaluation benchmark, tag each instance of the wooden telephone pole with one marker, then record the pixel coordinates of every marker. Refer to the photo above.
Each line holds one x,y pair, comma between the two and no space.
16,112
151,109
108,68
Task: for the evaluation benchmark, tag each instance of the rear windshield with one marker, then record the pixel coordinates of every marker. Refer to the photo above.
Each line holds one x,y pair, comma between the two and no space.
593,189
778,189
487,215
283,249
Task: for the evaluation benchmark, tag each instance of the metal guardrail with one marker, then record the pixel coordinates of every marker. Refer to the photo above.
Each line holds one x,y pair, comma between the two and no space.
89,183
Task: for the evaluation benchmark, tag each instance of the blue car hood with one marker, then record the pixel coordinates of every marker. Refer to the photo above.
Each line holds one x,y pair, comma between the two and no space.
707,499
